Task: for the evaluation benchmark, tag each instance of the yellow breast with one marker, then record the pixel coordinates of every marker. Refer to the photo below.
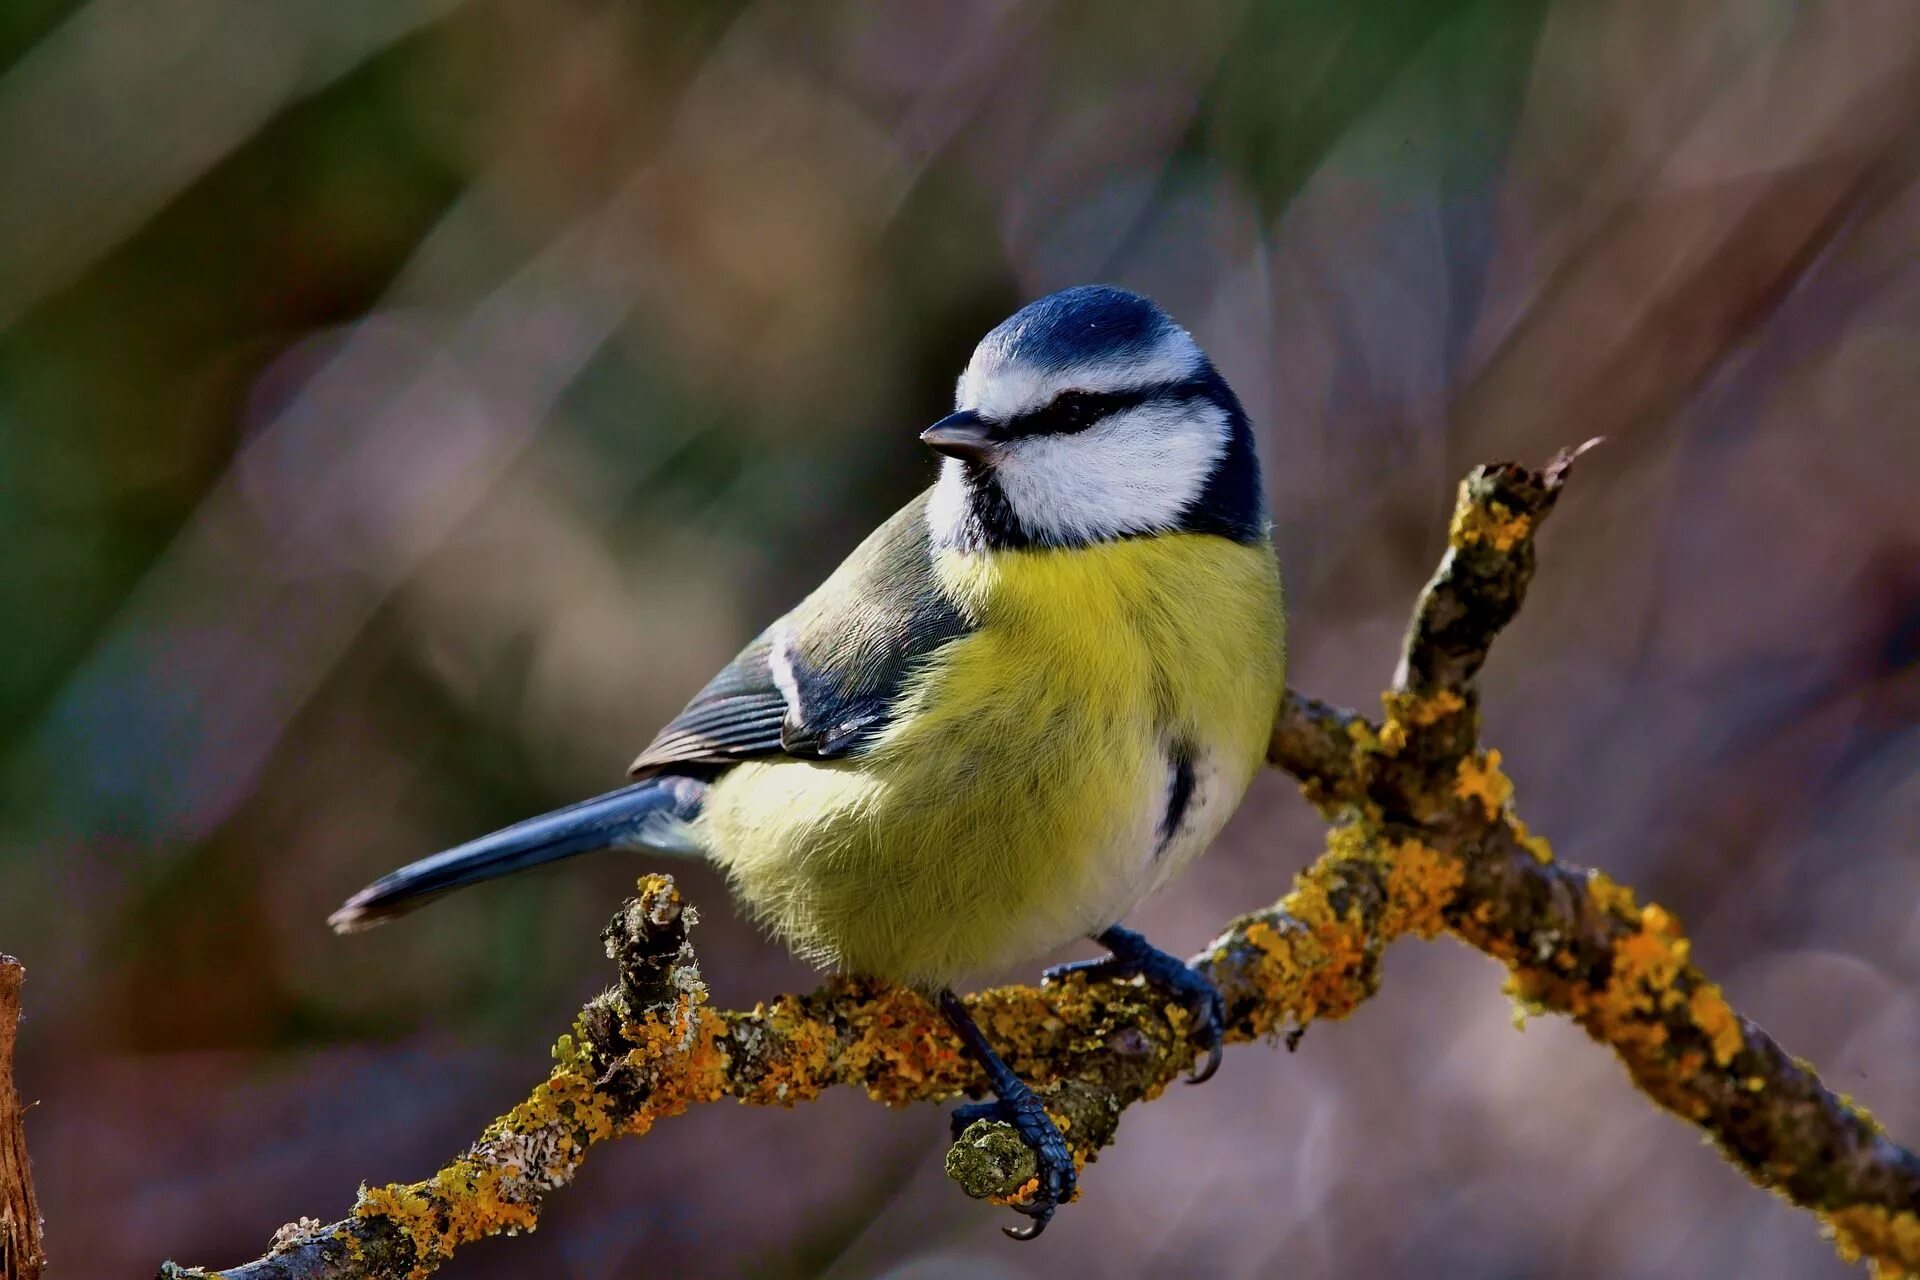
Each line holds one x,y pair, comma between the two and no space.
1018,798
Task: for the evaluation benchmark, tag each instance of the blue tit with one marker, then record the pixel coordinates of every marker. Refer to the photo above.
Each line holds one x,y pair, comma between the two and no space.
1022,705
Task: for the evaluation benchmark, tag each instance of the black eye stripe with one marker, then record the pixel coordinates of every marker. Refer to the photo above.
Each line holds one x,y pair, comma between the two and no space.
1073,410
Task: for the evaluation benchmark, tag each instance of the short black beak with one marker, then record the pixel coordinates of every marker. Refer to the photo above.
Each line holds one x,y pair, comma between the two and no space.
960,435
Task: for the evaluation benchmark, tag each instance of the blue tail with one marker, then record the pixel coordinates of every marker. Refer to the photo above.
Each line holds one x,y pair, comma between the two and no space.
650,814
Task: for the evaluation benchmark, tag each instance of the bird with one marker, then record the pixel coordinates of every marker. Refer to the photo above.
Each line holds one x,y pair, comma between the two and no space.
1018,708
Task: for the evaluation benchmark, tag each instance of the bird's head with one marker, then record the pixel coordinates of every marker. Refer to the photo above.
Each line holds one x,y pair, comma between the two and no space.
1087,416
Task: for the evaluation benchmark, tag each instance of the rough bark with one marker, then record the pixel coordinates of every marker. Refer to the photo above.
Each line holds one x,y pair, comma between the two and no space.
21,1254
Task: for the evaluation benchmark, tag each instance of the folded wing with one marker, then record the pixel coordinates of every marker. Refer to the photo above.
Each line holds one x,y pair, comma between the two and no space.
822,682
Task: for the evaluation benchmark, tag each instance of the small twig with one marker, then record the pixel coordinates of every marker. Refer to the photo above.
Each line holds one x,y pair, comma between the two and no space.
1423,837
21,1252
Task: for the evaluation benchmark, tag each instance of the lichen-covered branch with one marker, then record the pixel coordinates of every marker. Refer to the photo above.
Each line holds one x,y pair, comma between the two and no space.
21,1255
1423,838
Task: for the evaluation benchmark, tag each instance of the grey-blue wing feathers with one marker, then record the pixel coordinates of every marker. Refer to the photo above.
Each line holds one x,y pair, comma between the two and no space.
818,684
822,682
738,716
651,814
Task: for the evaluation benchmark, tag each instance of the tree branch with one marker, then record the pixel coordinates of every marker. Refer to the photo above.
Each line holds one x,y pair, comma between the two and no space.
1423,838
21,1256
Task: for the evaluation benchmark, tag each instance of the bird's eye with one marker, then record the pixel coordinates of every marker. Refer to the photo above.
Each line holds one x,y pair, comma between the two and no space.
1075,411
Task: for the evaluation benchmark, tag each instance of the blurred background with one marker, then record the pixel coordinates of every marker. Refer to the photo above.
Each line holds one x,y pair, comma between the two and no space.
406,404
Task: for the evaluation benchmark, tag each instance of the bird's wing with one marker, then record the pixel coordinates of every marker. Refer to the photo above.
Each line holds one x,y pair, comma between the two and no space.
736,717
821,682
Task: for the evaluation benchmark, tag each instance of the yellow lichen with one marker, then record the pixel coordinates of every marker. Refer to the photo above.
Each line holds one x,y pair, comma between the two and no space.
1423,710
1414,710
1615,899
1478,777
1526,992
463,1202
1536,845
1494,524
1313,957
483,1201
1021,1196
1651,987
802,1066
1333,987
1715,1017
1889,1240
884,1039
1323,967
410,1211
495,1188
1646,966
915,1052
1420,884
1860,1113
678,1053
1309,972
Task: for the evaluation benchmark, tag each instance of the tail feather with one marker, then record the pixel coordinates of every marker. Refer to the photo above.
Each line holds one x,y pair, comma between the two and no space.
651,814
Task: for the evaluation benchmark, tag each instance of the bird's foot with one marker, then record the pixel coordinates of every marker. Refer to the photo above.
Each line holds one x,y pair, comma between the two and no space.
1020,1107
1132,956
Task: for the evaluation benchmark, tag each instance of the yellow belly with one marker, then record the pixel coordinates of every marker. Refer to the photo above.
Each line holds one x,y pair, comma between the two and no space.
1016,802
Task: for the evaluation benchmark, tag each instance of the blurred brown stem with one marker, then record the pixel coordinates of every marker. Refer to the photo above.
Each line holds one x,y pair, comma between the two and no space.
21,1257
1423,838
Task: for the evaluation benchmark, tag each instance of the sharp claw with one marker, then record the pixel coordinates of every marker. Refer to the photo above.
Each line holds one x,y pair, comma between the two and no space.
1034,1227
1204,1072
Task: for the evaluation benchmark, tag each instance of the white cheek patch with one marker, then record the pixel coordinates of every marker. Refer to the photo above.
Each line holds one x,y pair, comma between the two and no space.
1133,472
947,506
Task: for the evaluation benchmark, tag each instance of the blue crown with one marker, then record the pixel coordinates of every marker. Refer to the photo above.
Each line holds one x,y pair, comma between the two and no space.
1081,325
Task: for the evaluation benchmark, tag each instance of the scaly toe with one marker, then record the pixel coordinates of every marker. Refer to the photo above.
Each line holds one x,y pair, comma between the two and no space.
1134,957
1208,1011
1095,970
1029,1118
